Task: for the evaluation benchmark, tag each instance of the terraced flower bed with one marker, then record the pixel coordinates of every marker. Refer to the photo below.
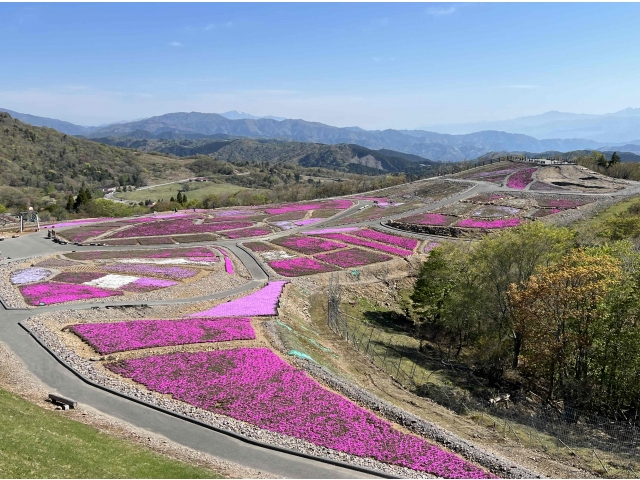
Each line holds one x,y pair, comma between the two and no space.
403,242
194,238
55,292
146,284
429,219
254,385
486,198
488,211
247,232
29,275
331,230
297,267
56,262
82,233
155,241
259,246
352,257
521,179
121,241
175,227
175,273
192,252
342,237
107,338
301,207
563,203
308,245
260,303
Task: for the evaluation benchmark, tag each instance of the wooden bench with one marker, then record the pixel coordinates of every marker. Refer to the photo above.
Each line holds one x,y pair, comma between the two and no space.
65,403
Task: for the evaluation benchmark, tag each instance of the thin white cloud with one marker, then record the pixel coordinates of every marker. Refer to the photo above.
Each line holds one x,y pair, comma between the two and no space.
175,44
440,11
210,26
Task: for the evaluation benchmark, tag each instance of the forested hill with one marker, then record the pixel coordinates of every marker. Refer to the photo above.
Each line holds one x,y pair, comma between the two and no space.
46,159
353,158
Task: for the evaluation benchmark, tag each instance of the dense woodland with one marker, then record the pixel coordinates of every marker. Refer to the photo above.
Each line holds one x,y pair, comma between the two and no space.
538,307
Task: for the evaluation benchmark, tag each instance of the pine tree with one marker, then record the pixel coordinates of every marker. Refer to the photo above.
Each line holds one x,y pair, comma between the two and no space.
184,200
69,206
615,159
179,199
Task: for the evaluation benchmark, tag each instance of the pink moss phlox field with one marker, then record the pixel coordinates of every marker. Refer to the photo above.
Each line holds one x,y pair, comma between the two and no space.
176,273
108,338
308,245
295,267
427,219
146,284
82,236
521,179
262,302
258,246
352,257
48,293
330,230
77,277
29,275
341,237
307,221
228,265
505,223
255,386
296,207
193,252
404,242
175,227
247,232
562,203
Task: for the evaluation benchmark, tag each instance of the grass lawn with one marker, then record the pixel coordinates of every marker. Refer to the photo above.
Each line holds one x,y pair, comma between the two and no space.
197,190
38,443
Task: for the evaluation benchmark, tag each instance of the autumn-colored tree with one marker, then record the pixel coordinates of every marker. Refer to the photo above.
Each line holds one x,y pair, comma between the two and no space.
561,312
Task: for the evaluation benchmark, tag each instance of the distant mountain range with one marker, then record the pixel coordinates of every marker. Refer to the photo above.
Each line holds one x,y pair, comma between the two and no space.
426,144
352,158
613,128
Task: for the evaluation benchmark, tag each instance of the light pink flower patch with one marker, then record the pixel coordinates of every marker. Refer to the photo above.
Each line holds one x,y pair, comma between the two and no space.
308,245
54,292
296,267
352,257
489,224
262,302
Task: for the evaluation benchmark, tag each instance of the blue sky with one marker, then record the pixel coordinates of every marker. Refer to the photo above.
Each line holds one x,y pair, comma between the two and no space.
376,65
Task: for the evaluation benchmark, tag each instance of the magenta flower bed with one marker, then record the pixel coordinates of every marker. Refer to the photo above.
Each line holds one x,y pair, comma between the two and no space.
262,302
175,227
367,243
258,246
108,338
562,203
505,223
228,265
429,219
48,293
352,257
296,267
247,232
176,273
404,242
194,252
521,179
255,386
146,284
308,245
77,277
297,207
330,230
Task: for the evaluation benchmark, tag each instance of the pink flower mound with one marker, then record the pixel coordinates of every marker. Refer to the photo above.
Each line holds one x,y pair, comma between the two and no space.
262,302
228,265
176,227
146,284
48,293
404,242
308,245
108,338
201,253
330,230
296,267
297,207
254,385
247,232
505,223
521,179
176,273
427,219
367,243
352,257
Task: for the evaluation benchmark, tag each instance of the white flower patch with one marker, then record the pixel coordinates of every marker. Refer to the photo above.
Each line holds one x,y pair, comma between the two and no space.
29,275
162,261
276,255
112,282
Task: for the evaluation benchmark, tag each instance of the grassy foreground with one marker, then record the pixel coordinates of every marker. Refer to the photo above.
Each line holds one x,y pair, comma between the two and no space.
37,443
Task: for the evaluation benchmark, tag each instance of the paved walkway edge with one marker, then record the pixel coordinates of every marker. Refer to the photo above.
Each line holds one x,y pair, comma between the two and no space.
202,424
